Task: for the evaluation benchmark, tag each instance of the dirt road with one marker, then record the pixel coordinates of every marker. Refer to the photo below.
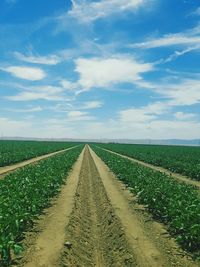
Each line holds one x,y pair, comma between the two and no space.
7,169
176,176
95,222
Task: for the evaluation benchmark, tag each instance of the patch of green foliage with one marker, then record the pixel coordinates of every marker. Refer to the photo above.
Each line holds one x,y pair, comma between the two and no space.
176,204
16,151
25,193
179,159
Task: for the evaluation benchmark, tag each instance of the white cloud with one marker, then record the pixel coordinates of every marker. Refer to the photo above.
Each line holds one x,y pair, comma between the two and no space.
51,93
46,60
186,92
25,110
143,114
176,91
177,54
26,73
77,115
82,125
92,105
68,85
133,115
184,116
189,38
87,11
169,40
99,72
11,127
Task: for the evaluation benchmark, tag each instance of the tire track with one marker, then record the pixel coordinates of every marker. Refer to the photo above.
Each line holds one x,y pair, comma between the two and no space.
94,236
44,244
145,236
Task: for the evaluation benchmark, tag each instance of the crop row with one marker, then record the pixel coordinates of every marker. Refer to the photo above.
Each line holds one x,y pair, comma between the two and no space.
25,193
16,151
174,203
179,159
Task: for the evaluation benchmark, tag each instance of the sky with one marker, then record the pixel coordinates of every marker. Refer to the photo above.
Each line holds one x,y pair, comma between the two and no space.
125,69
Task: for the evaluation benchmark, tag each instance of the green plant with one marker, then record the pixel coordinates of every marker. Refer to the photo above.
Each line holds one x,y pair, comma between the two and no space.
179,159
174,203
25,193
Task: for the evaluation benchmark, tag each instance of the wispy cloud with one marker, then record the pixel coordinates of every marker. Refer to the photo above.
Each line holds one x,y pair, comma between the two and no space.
143,114
77,115
50,93
176,92
25,110
26,73
184,116
87,11
68,85
92,105
12,2
180,53
196,12
46,60
190,37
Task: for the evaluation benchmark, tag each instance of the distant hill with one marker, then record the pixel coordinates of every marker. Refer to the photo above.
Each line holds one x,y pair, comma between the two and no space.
192,142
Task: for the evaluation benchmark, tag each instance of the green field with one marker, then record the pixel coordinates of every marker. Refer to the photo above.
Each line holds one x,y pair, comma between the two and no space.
16,151
179,159
25,193
176,204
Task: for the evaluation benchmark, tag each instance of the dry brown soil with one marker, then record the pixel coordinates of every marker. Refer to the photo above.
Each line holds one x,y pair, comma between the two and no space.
95,221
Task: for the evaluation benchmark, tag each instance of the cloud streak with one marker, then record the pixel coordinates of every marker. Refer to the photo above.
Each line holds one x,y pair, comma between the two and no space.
88,11
187,38
46,60
25,73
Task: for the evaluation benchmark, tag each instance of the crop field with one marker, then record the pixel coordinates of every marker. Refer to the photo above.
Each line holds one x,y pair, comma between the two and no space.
179,159
25,193
175,204
17,151
89,207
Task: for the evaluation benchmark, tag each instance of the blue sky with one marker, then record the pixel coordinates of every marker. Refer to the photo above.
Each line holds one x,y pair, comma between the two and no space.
100,69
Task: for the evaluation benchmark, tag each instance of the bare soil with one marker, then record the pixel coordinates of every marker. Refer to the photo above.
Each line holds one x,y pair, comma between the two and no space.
95,232
7,169
95,221
44,245
176,176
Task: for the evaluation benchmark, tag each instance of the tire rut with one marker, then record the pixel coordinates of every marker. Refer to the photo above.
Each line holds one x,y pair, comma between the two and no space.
94,235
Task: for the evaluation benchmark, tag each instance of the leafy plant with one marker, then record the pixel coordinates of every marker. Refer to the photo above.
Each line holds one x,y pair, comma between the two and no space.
25,193
174,203
179,159
16,151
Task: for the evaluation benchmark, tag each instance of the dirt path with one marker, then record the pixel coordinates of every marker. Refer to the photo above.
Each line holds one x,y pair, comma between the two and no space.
45,247
95,222
7,169
177,176
149,241
94,230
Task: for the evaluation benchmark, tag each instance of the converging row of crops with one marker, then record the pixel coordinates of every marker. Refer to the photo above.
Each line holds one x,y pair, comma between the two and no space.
25,193
16,151
179,159
176,204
